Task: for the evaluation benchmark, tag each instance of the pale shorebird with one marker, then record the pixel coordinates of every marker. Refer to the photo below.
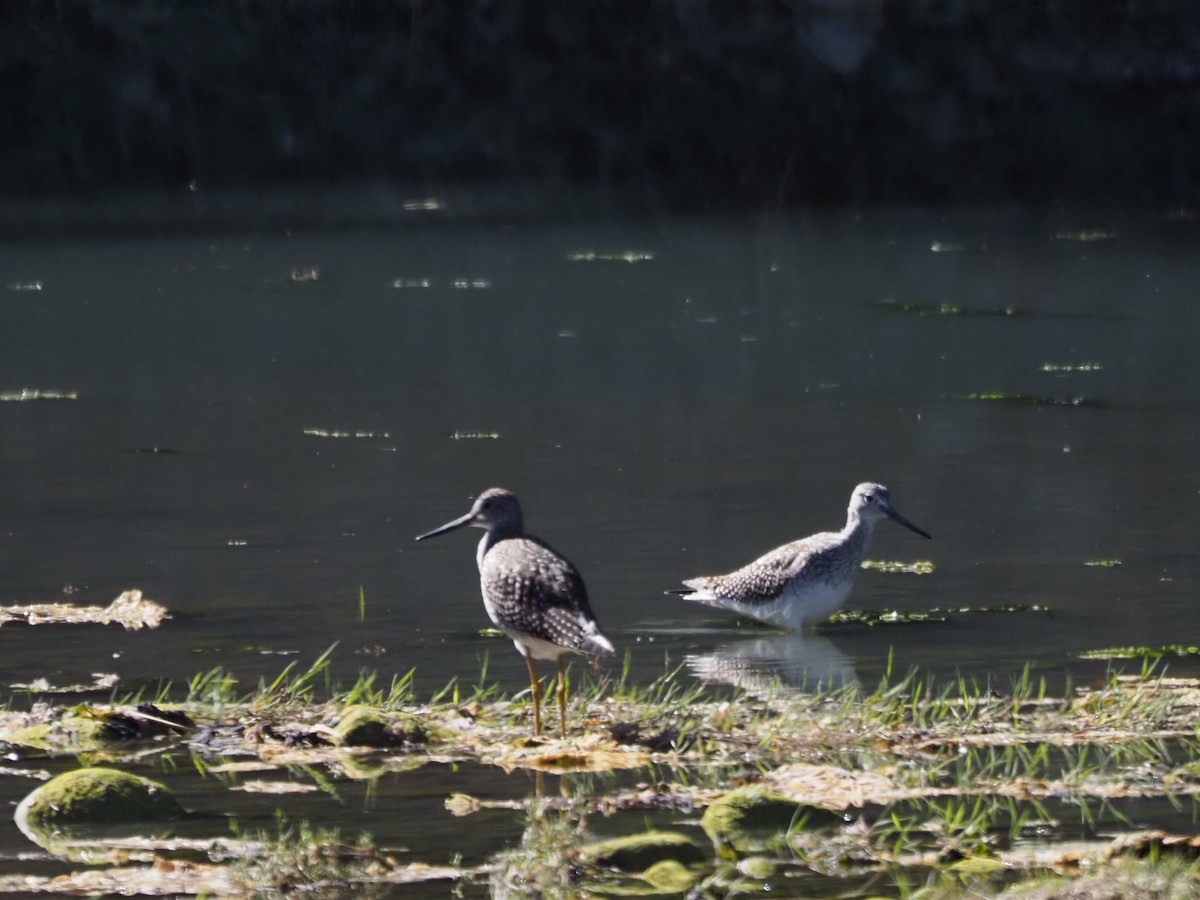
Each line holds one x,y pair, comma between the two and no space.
805,581
531,592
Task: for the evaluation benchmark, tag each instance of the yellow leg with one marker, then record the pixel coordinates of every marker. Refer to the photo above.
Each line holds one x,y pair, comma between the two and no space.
536,690
562,698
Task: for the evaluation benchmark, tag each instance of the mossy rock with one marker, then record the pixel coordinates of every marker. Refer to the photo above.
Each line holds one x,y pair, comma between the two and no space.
639,852
365,726
671,876
752,818
95,799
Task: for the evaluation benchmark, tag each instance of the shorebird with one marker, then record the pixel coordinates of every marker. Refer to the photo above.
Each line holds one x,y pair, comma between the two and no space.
805,581
531,592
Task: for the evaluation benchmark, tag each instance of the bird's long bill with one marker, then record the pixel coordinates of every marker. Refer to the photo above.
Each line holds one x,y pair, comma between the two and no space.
449,526
900,520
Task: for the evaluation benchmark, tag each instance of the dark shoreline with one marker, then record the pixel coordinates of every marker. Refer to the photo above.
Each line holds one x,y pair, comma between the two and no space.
660,108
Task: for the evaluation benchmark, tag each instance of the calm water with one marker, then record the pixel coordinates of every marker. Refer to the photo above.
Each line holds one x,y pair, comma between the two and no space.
674,413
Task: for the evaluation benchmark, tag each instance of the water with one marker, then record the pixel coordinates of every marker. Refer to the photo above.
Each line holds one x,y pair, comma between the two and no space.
660,418
675,413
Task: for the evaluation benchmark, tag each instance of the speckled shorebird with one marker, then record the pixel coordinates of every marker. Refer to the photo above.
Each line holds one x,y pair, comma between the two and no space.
531,592
805,581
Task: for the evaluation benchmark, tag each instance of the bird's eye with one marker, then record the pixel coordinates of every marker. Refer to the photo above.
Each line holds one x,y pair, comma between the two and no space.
870,498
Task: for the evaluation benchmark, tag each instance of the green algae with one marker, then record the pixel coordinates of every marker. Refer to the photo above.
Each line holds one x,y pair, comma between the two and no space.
1028,399
873,617
892,567
670,876
638,852
1141,652
752,818
365,726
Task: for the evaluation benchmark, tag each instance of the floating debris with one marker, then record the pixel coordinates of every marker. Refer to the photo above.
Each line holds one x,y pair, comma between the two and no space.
590,753
920,567
130,610
460,804
306,274
471,283
101,681
474,435
151,451
237,542
946,247
947,309
1085,235
1030,399
35,394
275,787
25,286
629,256
1139,652
424,204
1007,608
1102,563
334,433
1065,368
403,283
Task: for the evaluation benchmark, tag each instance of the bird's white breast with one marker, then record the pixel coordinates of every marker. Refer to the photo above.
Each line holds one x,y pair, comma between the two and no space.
801,605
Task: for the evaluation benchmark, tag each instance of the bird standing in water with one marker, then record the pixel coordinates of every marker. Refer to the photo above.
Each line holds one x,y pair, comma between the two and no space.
805,581
531,592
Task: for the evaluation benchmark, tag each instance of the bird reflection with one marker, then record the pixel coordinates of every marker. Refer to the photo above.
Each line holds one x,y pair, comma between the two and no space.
793,662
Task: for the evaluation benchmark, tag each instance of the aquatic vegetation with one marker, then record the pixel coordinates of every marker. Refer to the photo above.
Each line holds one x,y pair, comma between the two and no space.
1065,368
638,852
919,567
913,781
1084,235
335,433
1029,399
914,308
629,256
1141,652
873,617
